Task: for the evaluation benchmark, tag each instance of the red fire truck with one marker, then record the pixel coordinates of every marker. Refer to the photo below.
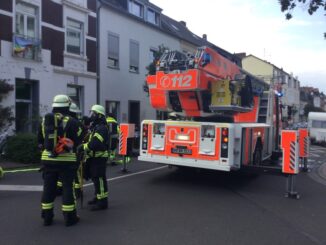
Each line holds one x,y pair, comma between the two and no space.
224,118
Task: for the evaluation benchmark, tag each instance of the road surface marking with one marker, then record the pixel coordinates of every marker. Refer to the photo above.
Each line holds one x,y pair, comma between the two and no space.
21,188
128,175
40,187
314,154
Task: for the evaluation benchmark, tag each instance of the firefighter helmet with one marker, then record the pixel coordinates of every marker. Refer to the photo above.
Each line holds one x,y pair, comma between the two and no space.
74,108
98,109
61,100
63,145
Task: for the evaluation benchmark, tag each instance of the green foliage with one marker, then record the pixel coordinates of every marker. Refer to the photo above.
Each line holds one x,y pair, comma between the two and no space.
310,5
151,68
6,116
23,148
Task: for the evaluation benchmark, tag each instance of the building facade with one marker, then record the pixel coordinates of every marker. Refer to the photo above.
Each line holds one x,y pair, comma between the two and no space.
281,81
47,47
50,47
131,32
130,35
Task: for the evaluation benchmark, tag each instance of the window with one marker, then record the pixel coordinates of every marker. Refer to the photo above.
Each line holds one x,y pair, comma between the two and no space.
26,19
25,41
134,56
27,105
76,95
136,9
74,37
113,50
114,108
152,17
318,124
152,55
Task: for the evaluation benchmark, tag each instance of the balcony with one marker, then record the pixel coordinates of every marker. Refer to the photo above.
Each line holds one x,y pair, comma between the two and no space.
27,47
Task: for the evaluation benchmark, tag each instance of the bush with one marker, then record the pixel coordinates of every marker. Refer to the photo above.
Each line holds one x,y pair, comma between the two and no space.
23,148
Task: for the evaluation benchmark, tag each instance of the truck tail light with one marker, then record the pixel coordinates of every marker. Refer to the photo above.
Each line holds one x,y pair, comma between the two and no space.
145,137
225,142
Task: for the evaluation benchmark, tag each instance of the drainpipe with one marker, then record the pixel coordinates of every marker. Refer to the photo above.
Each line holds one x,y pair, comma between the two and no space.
98,8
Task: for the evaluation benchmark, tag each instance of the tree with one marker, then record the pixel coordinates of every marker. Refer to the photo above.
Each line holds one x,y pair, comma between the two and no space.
311,5
310,108
6,116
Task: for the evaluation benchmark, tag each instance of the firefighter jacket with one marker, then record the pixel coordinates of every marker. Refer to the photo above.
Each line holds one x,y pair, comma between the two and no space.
97,144
73,131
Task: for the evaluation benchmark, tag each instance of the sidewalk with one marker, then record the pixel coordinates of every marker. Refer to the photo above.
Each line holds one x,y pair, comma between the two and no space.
322,171
4,164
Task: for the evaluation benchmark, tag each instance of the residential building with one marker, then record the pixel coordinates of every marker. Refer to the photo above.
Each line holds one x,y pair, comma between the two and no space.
291,98
47,47
281,81
131,31
312,97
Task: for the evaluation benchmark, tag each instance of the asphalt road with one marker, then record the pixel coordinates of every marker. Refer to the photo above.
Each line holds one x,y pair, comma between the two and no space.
153,204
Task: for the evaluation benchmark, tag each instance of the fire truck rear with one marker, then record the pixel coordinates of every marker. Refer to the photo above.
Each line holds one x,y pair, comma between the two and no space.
224,118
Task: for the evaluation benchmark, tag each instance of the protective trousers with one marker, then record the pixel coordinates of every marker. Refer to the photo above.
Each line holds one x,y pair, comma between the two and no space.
51,174
97,168
76,185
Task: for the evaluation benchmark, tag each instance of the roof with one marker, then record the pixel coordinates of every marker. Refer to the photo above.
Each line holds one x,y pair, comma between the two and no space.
170,26
267,62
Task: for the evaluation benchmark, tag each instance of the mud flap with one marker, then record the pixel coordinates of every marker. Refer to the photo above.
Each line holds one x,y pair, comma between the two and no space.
127,131
304,148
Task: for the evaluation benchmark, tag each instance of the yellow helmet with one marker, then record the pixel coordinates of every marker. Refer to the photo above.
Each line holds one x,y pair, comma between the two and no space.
98,109
61,100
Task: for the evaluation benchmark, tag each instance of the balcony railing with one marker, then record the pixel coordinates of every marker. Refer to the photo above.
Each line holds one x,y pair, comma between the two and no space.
27,47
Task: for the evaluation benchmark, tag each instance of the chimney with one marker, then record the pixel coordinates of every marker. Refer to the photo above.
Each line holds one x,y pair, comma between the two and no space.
183,23
205,36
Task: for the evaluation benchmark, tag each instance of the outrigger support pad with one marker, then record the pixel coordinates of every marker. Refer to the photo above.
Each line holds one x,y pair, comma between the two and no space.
290,187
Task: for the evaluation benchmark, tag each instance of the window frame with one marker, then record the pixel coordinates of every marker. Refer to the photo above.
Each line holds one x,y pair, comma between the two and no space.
151,55
134,62
81,38
113,106
131,5
79,95
27,15
113,55
156,17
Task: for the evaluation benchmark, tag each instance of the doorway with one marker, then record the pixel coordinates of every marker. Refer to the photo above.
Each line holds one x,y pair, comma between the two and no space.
133,113
27,105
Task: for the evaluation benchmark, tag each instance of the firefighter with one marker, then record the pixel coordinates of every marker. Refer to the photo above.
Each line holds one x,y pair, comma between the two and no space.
114,131
97,154
74,112
60,161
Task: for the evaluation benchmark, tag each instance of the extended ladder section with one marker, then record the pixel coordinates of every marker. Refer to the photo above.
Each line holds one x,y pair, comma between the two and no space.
263,108
202,85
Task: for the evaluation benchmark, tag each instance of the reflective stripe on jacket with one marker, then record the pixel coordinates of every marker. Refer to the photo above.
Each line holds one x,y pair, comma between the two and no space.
97,145
64,157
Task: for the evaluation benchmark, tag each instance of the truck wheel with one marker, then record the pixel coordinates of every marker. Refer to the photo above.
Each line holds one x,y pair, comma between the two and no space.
257,157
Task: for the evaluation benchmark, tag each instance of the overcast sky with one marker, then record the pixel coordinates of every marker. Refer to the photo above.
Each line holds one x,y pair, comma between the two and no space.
259,27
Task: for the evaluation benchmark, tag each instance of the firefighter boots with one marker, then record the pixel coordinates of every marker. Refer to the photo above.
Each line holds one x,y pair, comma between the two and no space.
100,205
47,216
71,218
